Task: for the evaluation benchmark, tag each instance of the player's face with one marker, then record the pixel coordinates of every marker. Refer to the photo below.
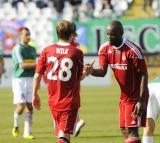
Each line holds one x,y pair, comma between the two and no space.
114,36
25,36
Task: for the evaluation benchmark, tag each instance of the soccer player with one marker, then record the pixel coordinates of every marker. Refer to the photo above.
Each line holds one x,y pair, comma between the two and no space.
153,110
80,122
127,62
24,63
63,65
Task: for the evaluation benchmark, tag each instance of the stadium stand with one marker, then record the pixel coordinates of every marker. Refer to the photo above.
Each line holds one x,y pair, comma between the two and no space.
140,9
38,14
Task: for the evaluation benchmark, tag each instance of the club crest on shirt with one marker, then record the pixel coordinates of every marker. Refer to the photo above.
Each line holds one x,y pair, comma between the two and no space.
117,51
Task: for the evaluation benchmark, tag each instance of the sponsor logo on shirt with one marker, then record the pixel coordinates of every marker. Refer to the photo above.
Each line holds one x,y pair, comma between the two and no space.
119,66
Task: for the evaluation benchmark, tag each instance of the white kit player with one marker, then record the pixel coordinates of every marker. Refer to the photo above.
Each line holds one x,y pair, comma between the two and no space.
153,110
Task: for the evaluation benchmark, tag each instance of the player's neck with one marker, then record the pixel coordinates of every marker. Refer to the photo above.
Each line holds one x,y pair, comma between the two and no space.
119,42
66,42
63,42
24,44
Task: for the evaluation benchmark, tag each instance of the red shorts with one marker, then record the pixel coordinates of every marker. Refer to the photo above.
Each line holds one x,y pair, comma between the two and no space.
64,121
125,118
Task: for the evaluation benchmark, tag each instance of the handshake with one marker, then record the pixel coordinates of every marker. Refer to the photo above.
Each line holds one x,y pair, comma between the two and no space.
87,69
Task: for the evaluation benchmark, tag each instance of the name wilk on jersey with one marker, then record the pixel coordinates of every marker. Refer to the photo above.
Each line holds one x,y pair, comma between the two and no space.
119,66
62,51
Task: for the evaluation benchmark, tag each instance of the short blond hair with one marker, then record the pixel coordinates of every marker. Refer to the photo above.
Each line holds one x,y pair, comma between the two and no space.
65,29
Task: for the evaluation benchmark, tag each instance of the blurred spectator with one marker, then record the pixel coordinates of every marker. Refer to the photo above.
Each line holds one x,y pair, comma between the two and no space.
146,3
41,3
59,6
106,7
156,8
92,3
106,11
75,8
88,7
70,9
1,2
119,7
147,7
15,3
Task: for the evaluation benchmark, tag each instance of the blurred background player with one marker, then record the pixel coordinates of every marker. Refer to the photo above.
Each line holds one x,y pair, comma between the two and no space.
24,63
153,110
63,65
80,122
128,64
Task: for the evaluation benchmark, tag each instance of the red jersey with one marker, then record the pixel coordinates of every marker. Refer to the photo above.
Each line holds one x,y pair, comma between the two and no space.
126,61
63,66
75,44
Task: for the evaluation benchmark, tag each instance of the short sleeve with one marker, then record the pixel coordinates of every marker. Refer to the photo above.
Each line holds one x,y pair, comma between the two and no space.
41,66
139,65
102,57
17,53
138,61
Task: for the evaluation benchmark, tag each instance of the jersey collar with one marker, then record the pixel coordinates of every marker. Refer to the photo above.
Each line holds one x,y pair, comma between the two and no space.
62,43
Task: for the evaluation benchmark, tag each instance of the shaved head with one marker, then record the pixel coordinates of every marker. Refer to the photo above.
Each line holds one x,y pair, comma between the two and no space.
117,25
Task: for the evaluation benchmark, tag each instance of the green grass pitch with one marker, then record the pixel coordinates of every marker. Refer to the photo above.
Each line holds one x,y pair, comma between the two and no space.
99,110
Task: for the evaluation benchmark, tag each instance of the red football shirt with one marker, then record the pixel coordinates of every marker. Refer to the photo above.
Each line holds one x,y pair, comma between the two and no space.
63,66
126,61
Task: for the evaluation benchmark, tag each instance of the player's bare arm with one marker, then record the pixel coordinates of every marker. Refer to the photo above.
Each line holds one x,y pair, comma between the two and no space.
87,70
140,107
36,85
143,86
101,72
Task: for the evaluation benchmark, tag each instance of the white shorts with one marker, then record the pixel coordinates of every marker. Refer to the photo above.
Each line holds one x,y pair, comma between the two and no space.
153,108
22,90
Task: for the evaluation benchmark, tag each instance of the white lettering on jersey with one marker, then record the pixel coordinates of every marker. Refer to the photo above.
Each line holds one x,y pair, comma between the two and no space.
62,51
63,69
119,66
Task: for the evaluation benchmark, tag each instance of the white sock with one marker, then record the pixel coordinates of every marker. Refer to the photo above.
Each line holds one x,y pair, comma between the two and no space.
147,139
16,119
27,123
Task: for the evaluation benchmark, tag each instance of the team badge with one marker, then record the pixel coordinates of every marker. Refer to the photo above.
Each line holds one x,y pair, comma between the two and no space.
117,51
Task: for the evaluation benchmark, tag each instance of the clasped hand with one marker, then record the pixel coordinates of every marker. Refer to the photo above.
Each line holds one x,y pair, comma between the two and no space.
88,68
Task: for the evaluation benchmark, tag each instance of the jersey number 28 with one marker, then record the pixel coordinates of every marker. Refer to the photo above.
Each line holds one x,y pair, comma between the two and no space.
63,69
